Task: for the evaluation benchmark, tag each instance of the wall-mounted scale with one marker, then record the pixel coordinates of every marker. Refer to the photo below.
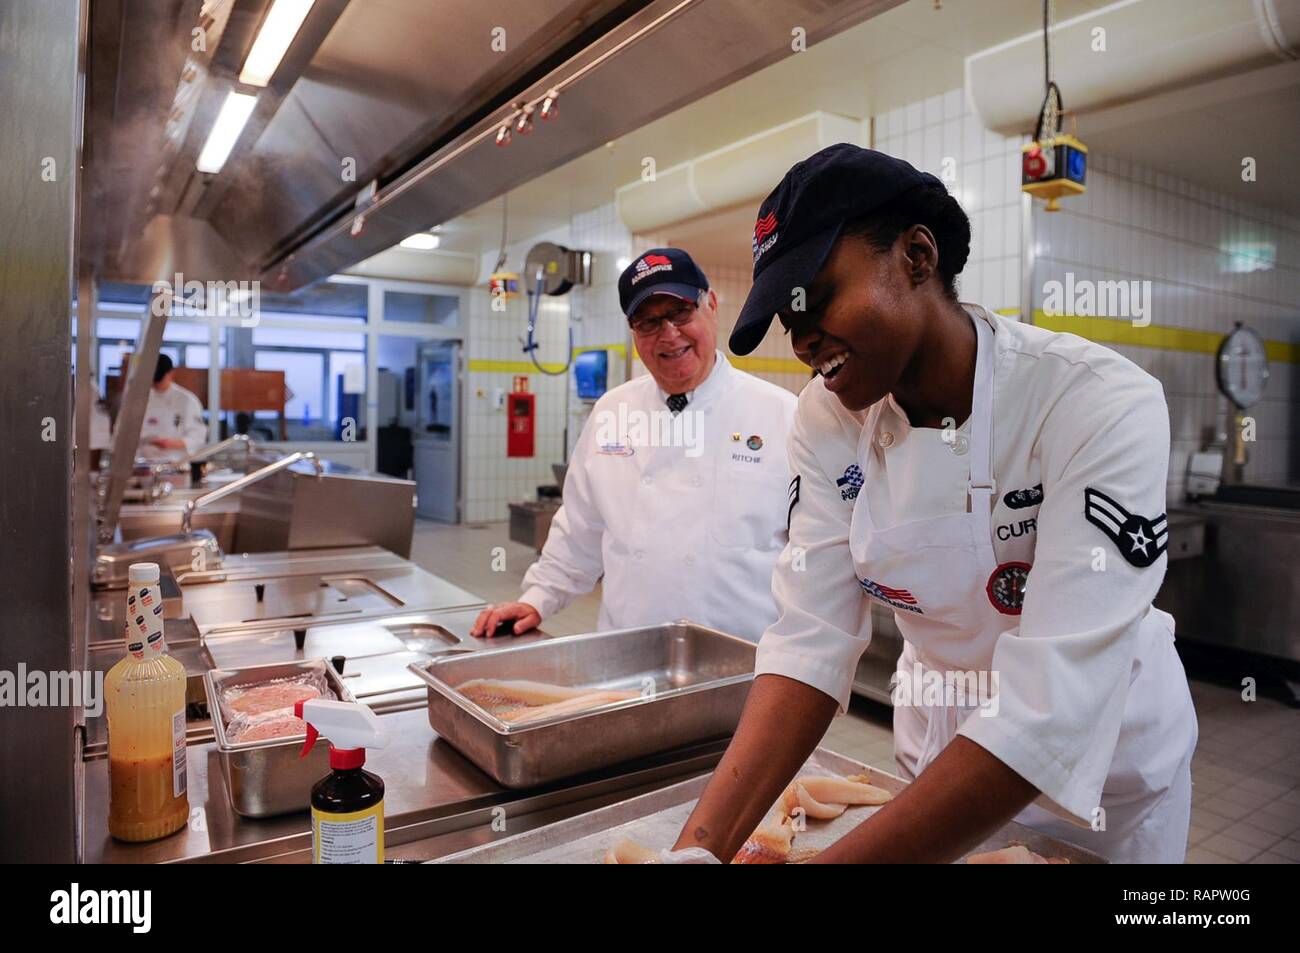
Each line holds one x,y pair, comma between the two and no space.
1241,369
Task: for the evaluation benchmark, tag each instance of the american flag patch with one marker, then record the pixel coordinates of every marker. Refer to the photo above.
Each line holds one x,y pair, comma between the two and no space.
898,598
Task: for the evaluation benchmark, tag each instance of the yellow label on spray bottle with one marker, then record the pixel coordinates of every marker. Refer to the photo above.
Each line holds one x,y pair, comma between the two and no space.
356,837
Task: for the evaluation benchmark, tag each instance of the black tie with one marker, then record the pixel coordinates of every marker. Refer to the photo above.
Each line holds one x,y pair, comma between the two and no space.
677,403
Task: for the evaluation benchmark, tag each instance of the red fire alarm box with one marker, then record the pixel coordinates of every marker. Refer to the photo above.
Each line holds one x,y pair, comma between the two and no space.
521,417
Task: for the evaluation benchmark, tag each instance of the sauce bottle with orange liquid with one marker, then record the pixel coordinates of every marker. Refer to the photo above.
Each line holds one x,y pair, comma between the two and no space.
145,699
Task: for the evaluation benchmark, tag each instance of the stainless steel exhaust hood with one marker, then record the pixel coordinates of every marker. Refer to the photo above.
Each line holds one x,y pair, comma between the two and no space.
404,95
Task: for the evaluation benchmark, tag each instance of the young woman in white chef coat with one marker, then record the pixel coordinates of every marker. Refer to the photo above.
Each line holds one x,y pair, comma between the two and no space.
998,486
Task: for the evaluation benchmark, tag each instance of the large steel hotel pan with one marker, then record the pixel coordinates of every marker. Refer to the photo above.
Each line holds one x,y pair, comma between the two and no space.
694,680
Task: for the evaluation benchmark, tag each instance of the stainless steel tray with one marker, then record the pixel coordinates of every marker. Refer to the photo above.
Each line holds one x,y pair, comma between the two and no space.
654,819
693,681
265,778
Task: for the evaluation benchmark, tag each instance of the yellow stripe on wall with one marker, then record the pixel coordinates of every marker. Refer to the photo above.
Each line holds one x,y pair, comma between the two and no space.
484,366
770,365
1165,337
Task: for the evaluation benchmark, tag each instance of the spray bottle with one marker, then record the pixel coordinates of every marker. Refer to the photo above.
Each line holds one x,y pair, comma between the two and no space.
347,805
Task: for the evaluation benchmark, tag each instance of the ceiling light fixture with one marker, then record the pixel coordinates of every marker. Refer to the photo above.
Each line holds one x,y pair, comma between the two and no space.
421,241
551,105
503,135
225,131
273,39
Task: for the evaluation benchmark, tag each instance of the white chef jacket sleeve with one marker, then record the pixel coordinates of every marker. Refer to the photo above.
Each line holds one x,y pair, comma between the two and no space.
194,429
1063,673
571,561
823,619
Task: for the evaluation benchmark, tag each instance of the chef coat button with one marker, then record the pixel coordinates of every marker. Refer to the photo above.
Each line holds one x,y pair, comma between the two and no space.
886,440
690,560
959,445
637,554
646,480
697,481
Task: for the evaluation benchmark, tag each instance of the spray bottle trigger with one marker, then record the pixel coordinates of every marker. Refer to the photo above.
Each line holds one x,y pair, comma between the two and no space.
312,733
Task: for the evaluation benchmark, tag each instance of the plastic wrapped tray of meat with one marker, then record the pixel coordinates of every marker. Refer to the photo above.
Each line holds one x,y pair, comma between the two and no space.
258,738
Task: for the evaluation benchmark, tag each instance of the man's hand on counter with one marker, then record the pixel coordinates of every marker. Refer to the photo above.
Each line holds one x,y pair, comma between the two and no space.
493,618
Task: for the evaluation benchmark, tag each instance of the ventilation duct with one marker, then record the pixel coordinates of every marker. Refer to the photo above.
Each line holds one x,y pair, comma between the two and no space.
1150,46
743,171
439,267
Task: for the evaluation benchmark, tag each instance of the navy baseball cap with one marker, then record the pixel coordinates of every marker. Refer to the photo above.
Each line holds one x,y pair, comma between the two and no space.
660,271
800,220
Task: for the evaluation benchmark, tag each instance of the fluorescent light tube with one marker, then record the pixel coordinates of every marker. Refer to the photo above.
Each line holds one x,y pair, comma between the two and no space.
225,131
421,241
278,30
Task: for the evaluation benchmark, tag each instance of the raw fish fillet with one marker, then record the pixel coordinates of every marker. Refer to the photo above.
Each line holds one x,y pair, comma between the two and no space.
628,851
770,844
825,798
1015,854
520,701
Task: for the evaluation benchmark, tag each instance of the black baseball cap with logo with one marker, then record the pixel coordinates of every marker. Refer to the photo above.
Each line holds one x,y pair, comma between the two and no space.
800,220
660,271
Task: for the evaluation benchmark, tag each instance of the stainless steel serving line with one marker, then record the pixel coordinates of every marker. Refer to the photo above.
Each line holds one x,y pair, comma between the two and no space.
430,791
433,791
657,816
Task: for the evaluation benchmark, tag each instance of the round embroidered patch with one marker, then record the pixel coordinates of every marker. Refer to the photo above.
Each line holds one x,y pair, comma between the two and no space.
1006,587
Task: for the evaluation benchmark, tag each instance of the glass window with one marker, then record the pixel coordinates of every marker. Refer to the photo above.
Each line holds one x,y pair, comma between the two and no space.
300,338
422,308
184,331
326,299
303,372
347,378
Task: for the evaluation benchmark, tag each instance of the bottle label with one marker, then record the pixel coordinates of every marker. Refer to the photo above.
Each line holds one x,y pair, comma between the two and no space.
179,785
353,838
144,611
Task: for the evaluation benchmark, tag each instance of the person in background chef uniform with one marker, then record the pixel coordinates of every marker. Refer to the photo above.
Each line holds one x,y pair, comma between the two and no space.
1001,488
691,529
173,419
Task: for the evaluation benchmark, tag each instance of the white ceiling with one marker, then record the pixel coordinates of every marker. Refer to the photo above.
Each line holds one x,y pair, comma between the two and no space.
911,52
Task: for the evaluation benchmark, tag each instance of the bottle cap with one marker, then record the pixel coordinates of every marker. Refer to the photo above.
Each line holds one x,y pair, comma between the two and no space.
344,759
142,572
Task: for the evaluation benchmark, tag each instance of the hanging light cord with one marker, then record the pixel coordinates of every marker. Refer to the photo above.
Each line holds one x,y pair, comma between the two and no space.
1049,115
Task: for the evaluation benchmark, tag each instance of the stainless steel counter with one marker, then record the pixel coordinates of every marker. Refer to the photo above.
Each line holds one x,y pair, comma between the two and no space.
278,590
431,793
1241,594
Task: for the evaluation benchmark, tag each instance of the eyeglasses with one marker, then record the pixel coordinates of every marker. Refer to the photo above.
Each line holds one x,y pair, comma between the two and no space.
678,317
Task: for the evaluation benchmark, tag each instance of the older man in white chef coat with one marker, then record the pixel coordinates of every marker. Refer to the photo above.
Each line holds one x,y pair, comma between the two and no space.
678,489
173,419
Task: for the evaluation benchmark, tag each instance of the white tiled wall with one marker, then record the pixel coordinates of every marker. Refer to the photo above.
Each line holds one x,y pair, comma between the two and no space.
1132,222
493,480
943,136
1136,223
